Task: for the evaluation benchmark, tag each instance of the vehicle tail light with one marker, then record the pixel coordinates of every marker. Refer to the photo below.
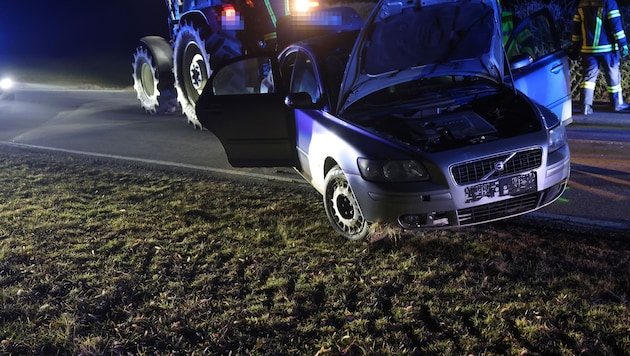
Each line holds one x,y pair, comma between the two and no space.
231,19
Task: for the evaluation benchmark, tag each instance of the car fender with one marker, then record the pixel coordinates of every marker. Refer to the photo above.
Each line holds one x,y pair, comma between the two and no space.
323,138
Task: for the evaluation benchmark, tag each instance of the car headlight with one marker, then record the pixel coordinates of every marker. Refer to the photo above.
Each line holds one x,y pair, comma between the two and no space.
6,84
392,171
557,138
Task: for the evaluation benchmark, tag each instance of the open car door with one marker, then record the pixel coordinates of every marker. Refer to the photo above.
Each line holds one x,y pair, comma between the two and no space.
539,65
243,105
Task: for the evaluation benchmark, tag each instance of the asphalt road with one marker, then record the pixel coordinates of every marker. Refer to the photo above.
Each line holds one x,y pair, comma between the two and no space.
111,124
599,188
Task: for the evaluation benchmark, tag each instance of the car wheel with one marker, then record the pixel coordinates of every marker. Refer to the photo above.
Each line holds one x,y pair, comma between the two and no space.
342,207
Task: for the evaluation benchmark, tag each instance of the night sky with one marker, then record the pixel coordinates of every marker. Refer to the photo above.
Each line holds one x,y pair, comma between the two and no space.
41,29
44,28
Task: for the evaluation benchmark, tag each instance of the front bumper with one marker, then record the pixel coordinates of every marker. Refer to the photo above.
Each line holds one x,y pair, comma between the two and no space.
413,206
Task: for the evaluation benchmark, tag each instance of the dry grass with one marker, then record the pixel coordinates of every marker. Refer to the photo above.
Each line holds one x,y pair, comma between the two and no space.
98,257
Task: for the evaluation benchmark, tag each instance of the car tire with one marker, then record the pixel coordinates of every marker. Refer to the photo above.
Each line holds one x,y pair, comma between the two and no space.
342,207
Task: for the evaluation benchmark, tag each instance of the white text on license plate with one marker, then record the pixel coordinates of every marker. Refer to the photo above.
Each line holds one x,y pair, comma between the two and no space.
514,185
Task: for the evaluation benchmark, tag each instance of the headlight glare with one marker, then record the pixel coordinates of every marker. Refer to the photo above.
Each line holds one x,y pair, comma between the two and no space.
557,138
304,5
6,84
392,171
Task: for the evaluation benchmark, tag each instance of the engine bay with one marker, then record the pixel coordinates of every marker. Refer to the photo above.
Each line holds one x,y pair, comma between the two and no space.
481,120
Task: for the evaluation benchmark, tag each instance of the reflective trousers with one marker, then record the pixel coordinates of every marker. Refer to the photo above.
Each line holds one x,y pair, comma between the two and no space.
591,63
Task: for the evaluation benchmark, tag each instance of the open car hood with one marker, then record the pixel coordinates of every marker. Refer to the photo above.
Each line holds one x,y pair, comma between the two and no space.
406,41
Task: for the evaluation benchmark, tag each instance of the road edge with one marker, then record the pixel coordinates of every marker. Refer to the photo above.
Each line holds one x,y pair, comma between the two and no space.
613,228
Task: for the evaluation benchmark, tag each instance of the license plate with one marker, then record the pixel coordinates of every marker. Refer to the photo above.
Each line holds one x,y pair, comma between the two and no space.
514,185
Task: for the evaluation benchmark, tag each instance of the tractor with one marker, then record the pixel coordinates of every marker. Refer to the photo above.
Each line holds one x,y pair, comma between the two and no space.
170,74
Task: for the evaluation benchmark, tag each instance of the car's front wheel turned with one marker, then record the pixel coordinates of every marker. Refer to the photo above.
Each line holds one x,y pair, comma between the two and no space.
342,207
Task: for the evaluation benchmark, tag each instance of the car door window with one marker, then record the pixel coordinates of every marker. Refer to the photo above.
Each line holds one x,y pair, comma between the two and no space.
249,76
535,36
286,69
304,77
540,68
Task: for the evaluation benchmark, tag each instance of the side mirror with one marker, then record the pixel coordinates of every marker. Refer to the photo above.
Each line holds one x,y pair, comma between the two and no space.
520,61
300,100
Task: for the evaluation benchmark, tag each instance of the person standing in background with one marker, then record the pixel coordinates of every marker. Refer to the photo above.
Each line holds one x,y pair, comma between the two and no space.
599,38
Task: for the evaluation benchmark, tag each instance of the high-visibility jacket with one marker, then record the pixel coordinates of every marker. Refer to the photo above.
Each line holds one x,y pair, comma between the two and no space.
597,27
507,24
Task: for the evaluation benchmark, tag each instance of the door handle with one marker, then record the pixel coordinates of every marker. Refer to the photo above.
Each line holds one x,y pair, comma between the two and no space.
557,68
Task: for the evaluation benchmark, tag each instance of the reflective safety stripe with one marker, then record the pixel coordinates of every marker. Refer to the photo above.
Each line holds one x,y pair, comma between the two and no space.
588,85
619,35
595,47
598,49
614,89
614,13
598,27
272,15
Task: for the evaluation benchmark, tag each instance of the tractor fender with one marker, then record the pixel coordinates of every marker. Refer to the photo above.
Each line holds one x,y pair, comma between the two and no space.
161,50
206,19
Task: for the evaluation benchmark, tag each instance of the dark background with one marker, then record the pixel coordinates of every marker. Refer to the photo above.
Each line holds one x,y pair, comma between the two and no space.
96,35
67,28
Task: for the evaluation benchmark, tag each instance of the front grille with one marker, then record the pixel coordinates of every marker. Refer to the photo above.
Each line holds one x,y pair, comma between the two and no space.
501,209
475,171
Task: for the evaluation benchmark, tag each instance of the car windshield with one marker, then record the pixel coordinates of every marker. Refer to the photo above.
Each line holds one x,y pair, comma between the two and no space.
420,36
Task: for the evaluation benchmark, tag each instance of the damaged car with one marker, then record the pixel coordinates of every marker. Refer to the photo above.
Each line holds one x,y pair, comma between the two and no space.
413,120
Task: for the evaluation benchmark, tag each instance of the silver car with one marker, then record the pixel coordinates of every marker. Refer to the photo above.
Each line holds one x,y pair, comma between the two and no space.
413,120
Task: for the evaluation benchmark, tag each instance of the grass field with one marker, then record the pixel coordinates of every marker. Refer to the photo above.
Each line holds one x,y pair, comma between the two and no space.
98,257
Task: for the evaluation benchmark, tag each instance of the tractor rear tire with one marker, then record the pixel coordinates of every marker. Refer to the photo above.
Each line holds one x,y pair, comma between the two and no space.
155,89
194,59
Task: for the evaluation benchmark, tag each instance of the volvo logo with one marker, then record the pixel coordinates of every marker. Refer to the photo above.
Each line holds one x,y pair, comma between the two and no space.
498,166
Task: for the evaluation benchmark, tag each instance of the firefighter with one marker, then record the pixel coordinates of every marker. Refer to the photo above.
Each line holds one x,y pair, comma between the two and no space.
600,40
